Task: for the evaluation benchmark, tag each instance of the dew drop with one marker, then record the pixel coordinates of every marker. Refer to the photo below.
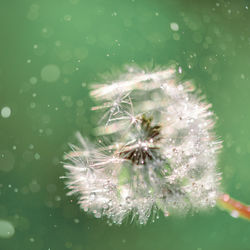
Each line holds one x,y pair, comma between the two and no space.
128,200
98,215
105,206
235,214
166,213
92,196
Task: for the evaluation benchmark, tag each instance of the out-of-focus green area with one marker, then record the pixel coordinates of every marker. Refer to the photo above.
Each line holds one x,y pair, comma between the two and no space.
50,50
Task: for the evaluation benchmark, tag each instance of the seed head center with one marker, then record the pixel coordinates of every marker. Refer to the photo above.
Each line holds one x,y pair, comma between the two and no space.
143,149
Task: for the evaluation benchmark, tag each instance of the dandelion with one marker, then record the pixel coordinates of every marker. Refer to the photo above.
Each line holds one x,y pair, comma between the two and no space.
156,150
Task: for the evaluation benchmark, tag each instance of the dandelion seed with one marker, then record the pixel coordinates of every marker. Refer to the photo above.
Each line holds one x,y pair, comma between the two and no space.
161,154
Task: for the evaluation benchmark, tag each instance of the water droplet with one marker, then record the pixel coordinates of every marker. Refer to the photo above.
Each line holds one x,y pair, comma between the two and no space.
235,214
166,213
128,200
98,215
105,206
92,196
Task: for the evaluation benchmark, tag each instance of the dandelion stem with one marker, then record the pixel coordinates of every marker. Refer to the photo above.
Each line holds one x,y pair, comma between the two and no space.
234,207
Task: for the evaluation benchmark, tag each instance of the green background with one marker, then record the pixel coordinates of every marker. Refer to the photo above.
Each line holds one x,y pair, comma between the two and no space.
50,50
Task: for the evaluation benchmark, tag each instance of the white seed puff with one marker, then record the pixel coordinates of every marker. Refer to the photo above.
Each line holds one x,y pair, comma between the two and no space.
161,152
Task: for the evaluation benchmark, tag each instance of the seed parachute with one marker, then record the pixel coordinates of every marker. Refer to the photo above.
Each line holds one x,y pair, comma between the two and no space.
155,149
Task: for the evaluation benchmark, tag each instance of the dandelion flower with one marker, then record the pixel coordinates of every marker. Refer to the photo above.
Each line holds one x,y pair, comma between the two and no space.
156,149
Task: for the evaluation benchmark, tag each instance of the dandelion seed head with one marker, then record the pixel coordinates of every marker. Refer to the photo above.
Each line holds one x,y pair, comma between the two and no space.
160,151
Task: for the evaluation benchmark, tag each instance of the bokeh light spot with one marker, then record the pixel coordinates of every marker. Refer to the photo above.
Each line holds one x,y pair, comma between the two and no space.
6,112
50,73
7,230
7,161
174,26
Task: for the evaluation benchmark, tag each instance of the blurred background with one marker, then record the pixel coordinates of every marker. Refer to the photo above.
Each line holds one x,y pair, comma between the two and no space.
51,50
